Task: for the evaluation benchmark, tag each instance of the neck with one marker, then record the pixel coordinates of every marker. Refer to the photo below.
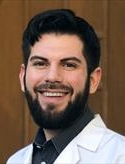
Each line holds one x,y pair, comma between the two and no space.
49,134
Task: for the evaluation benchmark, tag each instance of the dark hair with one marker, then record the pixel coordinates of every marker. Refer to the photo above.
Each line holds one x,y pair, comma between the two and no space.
62,21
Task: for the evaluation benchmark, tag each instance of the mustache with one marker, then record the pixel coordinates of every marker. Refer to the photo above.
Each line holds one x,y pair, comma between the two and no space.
53,85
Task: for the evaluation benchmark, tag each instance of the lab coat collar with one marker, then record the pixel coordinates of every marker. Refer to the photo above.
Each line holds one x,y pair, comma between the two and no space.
91,137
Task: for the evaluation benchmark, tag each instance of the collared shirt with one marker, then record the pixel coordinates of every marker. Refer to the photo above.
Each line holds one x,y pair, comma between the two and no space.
46,152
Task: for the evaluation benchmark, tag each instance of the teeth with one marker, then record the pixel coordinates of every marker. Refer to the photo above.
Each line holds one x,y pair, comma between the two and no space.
54,94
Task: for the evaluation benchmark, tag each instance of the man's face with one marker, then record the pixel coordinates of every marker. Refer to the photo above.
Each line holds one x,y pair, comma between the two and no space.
55,80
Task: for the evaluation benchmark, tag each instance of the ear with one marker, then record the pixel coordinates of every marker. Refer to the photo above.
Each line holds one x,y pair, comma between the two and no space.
21,77
95,78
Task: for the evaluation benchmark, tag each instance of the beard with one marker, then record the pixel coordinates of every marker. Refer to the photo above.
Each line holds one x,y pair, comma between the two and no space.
57,120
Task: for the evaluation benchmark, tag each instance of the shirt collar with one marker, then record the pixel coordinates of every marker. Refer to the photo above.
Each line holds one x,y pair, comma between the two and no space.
62,140
40,138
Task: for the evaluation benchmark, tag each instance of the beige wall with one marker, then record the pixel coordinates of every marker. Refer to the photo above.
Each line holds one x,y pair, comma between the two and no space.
108,18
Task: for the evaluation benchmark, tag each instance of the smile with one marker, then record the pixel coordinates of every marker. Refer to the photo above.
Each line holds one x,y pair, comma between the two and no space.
53,94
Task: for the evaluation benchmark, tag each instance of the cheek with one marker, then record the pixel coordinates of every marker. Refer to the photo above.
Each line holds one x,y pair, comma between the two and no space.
32,79
77,81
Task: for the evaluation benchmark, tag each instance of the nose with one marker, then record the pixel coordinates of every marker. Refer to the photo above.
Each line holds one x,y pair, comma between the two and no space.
53,74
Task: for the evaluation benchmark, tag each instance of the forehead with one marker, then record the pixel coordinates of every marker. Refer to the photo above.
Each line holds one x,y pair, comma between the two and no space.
58,45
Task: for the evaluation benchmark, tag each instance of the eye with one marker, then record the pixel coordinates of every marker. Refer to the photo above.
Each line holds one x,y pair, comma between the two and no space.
69,65
40,64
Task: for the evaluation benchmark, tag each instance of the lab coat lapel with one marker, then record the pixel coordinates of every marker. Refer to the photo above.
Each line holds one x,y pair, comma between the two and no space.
68,155
28,155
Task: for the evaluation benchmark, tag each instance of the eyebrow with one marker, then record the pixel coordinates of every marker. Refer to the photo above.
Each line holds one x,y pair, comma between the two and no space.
37,57
71,58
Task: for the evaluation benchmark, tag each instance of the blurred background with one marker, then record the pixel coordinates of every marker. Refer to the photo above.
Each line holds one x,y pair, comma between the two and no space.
108,19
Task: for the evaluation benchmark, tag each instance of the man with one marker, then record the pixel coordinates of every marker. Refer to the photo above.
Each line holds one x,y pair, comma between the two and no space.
61,68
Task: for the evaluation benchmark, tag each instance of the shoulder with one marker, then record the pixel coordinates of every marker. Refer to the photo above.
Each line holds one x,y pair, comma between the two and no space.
20,155
114,144
108,136
116,139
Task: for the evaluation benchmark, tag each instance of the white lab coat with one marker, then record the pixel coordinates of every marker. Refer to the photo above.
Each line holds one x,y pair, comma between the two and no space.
95,144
